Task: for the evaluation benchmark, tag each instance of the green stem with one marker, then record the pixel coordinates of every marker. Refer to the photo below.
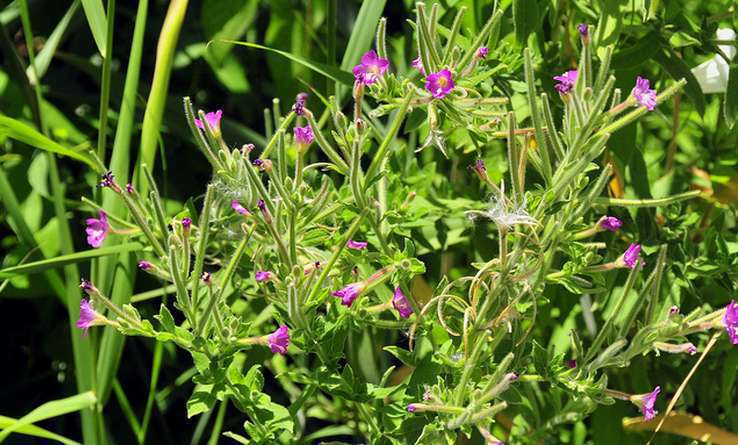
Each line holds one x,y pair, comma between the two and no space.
656,202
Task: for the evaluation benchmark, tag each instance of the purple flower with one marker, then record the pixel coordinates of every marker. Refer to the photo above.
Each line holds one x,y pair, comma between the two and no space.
186,223
87,316
566,81
279,340
674,310
129,188
371,68
107,180
213,119
610,223
263,275
511,376
400,303
690,349
349,293
439,84
730,321
417,63
412,407
241,210
299,107
571,363
646,403
144,265
97,229
357,245
86,285
644,94
304,135
583,30
482,52
631,255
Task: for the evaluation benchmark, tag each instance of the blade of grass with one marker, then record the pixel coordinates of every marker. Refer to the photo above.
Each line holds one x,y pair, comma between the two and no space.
22,132
35,431
102,132
157,98
51,409
43,59
125,406
96,19
218,425
155,370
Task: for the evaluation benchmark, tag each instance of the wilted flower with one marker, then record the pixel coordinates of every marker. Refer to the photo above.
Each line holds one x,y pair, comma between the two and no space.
646,402
97,229
207,278
357,245
572,364
279,340
144,265
566,81
241,210
730,321
610,223
88,317
482,52
439,84
213,119
304,135
417,63
349,293
264,211
371,68
644,94
631,255
87,286
400,303
263,275
499,213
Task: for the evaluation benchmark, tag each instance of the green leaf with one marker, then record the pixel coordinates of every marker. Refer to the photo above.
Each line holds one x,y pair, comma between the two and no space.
95,14
43,58
320,68
525,18
24,133
608,28
39,266
678,69
362,33
730,102
33,430
51,409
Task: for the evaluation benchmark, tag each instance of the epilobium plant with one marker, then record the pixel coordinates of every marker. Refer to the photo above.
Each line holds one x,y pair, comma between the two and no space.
298,248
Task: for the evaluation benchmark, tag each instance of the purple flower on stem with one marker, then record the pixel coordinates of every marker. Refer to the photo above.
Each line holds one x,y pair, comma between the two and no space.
87,316
482,52
566,81
417,63
86,285
439,84
349,293
299,106
241,210
213,119
400,303
674,310
186,223
97,229
583,30
207,278
644,94
263,275
572,364
144,265
371,68
279,340
411,408
356,245
610,223
631,255
129,188
730,321
304,135
646,403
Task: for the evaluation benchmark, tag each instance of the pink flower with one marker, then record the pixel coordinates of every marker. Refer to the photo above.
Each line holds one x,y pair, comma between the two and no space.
571,363
129,188
610,223
631,255
411,408
241,210
646,402
371,68
356,245
482,52
566,81
144,265
439,84
87,316
263,275
97,229
400,303
213,119
279,340
417,63
186,223
644,94
304,135
349,293
730,321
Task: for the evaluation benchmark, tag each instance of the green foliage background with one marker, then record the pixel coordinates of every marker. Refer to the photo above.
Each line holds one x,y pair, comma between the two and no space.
691,142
